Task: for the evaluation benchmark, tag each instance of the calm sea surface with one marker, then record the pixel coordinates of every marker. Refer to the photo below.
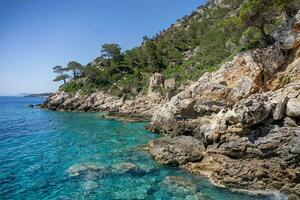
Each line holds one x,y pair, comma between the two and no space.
54,155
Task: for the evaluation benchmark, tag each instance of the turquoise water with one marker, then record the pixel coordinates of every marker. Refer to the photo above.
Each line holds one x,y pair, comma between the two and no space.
52,155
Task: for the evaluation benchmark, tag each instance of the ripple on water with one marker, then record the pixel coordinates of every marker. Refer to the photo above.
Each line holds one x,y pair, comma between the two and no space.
51,155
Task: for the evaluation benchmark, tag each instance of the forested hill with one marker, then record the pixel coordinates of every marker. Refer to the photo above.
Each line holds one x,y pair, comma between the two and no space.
195,44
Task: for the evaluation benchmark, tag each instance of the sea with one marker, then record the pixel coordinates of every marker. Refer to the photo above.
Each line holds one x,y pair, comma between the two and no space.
62,155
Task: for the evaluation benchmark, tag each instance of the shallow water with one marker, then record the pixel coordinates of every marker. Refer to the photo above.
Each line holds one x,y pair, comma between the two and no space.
53,155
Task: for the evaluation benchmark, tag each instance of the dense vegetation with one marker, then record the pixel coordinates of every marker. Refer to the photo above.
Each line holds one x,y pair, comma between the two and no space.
196,44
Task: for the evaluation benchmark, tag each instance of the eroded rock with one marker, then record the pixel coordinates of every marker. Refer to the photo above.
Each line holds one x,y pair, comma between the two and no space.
293,108
177,150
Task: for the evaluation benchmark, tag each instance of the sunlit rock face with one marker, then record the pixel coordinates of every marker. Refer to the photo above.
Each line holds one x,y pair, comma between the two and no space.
247,115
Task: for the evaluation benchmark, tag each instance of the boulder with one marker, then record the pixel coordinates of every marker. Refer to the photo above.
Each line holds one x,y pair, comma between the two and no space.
279,111
217,126
253,110
127,168
81,168
179,181
288,121
170,83
176,151
293,108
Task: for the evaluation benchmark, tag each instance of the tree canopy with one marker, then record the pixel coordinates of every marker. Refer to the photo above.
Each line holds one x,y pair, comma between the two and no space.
75,67
62,77
196,44
61,74
111,51
260,14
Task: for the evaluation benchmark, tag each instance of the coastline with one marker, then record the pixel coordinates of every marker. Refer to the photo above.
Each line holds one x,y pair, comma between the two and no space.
245,114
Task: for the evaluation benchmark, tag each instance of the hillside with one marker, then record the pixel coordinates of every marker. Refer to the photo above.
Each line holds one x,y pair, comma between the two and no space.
195,44
227,103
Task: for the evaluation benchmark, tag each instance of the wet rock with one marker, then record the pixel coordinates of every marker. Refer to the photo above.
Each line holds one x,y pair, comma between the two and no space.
77,169
123,168
174,129
129,188
180,187
177,150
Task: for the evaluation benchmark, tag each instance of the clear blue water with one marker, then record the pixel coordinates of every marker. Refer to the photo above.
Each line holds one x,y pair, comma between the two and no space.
53,155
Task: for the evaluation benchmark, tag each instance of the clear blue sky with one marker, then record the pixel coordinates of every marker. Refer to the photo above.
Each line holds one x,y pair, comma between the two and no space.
36,35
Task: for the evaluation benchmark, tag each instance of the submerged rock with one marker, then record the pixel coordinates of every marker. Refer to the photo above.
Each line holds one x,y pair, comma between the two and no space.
180,182
78,169
125,168
129,188
238,125
182,188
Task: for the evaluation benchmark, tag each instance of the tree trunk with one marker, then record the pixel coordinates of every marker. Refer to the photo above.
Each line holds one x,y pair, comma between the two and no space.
65,81
74,73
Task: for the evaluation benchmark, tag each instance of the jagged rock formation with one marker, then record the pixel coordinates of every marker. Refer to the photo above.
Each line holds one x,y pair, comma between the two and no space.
139,109
247,116
240,125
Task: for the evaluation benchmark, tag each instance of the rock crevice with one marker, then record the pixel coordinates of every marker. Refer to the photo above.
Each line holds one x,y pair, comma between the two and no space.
246,115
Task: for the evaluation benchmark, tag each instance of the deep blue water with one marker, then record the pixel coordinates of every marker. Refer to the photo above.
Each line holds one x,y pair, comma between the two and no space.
54,155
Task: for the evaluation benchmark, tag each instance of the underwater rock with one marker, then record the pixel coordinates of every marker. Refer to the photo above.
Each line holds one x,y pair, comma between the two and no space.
122,168
130,188
182,188
176,182
77,169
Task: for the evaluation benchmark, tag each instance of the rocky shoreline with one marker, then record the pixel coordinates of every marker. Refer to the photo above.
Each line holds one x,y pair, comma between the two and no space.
139,109
244,119
239,126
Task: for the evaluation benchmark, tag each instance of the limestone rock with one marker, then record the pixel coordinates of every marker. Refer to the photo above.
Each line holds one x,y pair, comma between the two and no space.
293,108
278,113
170,83
177,150
77,169
180,182
288,121
289,36
156,81
253,110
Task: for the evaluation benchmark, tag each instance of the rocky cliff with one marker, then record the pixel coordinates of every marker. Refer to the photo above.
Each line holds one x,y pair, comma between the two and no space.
240,125
140,108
